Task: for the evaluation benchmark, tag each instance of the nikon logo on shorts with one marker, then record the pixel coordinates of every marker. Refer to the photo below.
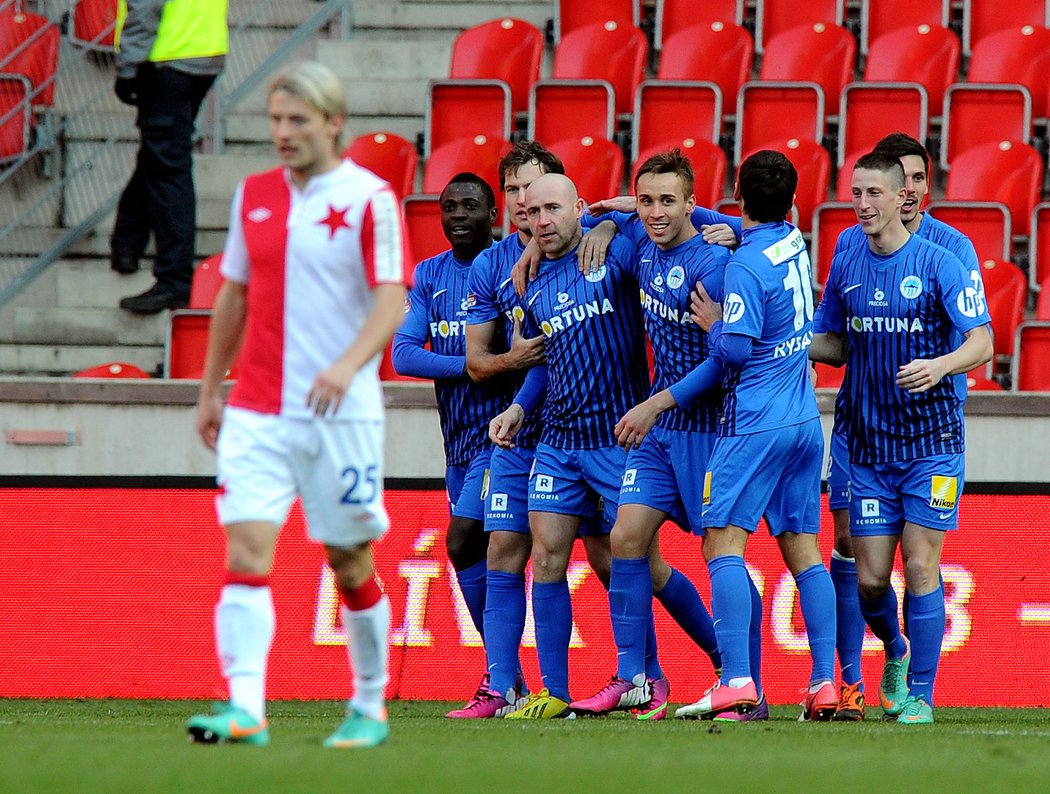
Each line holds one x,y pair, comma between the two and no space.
707,487
944,492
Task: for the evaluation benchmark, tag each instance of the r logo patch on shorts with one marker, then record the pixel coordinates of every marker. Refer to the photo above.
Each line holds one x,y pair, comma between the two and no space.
944,492
544,483
869,508
707,487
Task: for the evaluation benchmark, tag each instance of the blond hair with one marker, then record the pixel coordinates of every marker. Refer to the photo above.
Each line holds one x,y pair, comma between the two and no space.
315,84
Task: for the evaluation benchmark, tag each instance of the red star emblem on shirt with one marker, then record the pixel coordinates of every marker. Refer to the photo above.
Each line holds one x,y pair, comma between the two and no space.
335,221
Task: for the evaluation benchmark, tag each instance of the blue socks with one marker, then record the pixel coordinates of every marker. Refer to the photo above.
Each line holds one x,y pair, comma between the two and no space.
850,626
926,622
631,610
684,605
754,640
731,603
881,616
552,609
504,624
472,585
816,595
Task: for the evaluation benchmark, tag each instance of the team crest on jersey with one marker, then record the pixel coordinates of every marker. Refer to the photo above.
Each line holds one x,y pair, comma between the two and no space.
260,214
971,302
733,309
594,276
911,287
676,277
944,492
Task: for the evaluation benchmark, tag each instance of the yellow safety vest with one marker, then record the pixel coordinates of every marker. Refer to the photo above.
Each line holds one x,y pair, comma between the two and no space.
188,29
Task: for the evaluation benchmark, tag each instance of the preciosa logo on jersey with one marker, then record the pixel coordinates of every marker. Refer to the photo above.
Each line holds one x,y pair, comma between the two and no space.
564,301
658,282
544,483
878,298
733,309
911,287
971,302
675,277
869,508
260,214
594,276
867,325
944,492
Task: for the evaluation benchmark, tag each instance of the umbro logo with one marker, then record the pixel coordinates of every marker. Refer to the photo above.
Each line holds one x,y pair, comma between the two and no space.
259,214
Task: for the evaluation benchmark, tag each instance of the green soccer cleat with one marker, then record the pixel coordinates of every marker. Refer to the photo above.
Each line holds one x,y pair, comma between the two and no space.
228,723
543,705
359,730
893,689
916,711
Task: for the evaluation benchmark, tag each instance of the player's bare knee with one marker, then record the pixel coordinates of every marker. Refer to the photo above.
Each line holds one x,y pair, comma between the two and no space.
249,549
352,567
466,542
872,588
921,576
626,542
509,552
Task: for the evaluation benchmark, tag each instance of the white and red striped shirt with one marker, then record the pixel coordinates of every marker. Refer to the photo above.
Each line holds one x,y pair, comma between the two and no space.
309,259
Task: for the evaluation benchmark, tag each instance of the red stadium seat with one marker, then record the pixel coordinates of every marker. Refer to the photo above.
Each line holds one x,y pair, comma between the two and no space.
709,168
829,377
670,112
612,52
458,109
501,49
984,17
186,344
976,113
977,380
1042,304
1009,171
719,53
772,111
878,17
813,163
29,47
870,111
1015,55
1039,248
206,283
388,156
480,155
775,16
830,219
94,24
821,53
566,109
986,223
570,15
593,164
113,370
1005,289
673,16
926,54
1029,370
16,116
423,226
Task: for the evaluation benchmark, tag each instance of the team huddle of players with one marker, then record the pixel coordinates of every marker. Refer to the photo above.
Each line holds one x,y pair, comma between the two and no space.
553,431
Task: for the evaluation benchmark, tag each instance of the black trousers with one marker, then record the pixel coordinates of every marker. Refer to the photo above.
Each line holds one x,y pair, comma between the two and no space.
160,199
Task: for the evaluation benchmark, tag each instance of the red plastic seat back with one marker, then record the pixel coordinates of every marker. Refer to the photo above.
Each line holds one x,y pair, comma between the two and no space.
388,156
571,109
206,283
94,23
15,116
1015,55
719,53
1010,172
977,113
115,370
1005,289
820,52
594,165
423,226
772,113
612,52
502,49
869,112
29,46
926,54
986,223
775,16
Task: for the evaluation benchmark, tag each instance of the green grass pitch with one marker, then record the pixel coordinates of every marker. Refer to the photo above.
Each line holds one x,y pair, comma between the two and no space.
140,746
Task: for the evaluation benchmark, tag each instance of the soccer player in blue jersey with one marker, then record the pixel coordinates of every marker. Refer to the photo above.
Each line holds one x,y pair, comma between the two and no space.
915,161
668,441
903,303
595,372
436,313
767,459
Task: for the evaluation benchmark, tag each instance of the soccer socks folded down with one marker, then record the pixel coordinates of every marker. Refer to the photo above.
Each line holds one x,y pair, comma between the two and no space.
849,622
244,628
926,623
816,596
504,625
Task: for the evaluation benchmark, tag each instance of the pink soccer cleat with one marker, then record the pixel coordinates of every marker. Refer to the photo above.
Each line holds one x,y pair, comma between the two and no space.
758,713
719,699
617,695
820,703
655,709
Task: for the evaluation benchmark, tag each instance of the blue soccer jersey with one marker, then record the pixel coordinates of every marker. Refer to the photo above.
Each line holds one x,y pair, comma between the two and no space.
596,365
492,297
436,313
665,279
912,304
769,297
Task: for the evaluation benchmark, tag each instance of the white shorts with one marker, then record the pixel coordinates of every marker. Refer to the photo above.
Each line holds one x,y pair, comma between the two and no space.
265,461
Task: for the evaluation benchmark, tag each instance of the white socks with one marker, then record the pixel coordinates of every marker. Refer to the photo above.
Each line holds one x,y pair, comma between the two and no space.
244,627
367,632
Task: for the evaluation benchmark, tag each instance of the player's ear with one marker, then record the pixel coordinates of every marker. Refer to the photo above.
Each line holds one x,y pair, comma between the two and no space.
690,203
580,207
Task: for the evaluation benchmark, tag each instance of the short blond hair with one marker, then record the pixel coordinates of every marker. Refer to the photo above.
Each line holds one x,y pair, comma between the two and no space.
314,83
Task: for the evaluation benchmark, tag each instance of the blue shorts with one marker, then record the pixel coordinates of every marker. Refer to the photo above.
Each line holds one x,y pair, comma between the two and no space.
577,482
838,472
773,474
667,473
468,484
925,491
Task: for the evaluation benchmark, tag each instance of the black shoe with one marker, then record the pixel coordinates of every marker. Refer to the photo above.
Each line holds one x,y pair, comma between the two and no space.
155,299
125,264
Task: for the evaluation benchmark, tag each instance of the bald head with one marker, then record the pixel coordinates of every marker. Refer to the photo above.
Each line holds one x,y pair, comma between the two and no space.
554,210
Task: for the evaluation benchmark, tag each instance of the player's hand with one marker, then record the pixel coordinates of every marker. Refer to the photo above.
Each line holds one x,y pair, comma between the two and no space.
615,204
527,267
504,427
591,254
719,234
635,425
209,419
525,353
921,375
705,311
329,388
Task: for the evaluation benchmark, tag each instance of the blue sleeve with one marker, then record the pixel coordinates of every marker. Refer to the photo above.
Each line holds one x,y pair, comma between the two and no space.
702,216
830,316
962,298
703,378
588,221
533,390
482,308
743,309
410,358
732,350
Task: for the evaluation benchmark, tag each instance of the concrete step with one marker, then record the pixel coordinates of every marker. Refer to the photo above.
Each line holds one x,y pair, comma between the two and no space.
90,284
28,242
104,327
65,359
254,129
448,14
368,58
217,175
